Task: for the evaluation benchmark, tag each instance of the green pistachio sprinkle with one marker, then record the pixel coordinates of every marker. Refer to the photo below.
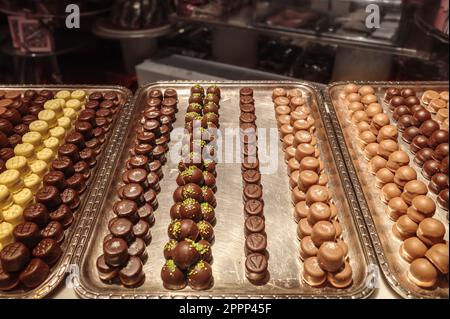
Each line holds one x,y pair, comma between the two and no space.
196,106
203,227
202,249
176,227
189,202
191,114
188,172
206,207
170,245
171,265
196,268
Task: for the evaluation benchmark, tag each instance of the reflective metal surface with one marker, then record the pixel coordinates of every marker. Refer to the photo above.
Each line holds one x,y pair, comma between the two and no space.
285,266
72,235
379,225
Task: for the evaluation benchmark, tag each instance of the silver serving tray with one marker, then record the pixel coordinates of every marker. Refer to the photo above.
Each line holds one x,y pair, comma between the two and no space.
228,250
378,223
72,234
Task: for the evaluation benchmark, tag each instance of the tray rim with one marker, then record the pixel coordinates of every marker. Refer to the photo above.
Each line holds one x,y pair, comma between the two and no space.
370,224
363,236
56,276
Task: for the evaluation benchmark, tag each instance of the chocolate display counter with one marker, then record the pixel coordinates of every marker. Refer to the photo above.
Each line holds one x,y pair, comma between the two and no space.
225,189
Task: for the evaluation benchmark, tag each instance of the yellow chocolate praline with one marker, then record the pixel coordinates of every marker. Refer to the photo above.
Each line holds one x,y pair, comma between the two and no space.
39,167
70,113
65,122
11,179
13,215
23,198
33,138
18,163
62,102
40,127
55,106
52,143
48,116
32,182
6,233
73,104
58,132
78,95
25,149
6,199
64,94
45,155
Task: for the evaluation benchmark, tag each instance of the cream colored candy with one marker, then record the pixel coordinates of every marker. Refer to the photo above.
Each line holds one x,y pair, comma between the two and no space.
23,198
65,95
55,106
32,182
62,102
45,155
11,179
73,104
79,95
41,127
48,116
18,163
13,215
6,199
65,122
25,149
52,143
70,113
33,138
39,167
58,132
6,233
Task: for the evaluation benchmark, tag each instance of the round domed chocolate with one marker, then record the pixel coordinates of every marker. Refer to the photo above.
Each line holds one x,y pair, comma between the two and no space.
185,254
406,121
412,100
410,133
423,155
444,165
422,115
438,137
419,142
441,151
407,92
429,127
438,182
391,92
442,199
400,111
396,101
430,168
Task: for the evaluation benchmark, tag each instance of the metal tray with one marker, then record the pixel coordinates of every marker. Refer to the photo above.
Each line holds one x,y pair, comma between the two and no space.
378,223
72,234
285,266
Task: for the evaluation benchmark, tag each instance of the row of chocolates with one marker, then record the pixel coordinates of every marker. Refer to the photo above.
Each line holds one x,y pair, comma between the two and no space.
322,248
39,230
256,262
427,137
406,197
124,248
188,253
